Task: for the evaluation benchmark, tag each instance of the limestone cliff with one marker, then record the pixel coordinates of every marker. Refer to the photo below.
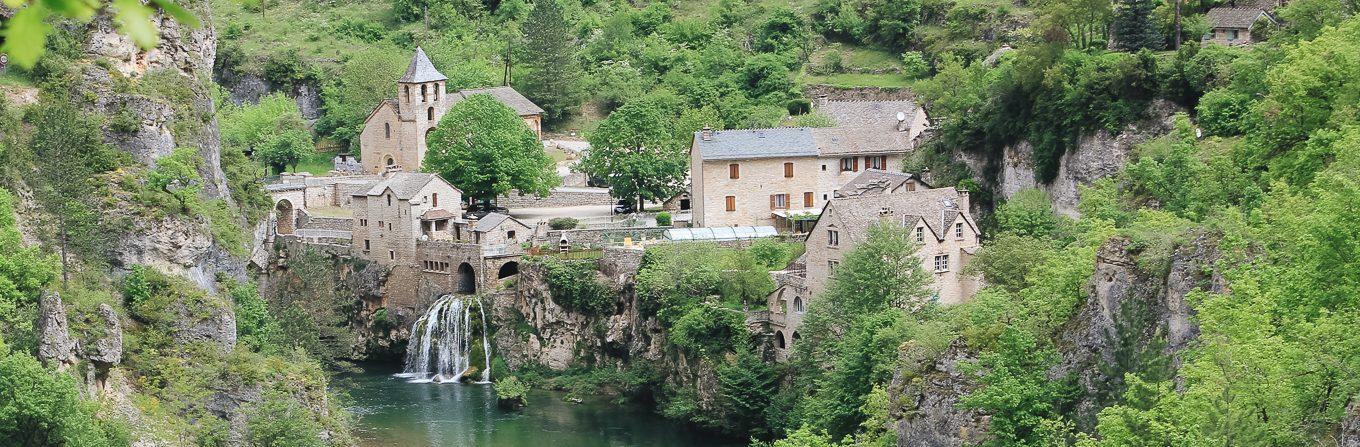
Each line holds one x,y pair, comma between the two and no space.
1095,156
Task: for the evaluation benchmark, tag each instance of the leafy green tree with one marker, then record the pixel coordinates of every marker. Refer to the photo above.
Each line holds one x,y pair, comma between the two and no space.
1134,26
549,51
272,131
511,393
746,386
1028,213
746,280
636,153
24,272
483,147
765,75
285,149
1084,21
43,408
367,78
881,273
784,31
177,175
709,330
1016,390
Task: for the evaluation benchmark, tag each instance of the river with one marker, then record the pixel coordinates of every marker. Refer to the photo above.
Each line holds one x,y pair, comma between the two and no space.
391,412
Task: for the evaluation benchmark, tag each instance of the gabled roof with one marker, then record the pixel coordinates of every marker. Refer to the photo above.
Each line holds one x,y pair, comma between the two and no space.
876,182
493,220
421,70
506,95
854,215
756,143
876,115
405,185
1229,17
436,214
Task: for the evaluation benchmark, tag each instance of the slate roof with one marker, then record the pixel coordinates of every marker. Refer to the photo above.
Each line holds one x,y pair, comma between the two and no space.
861,141
436,214
875,182
421,70
1228,17
493,220
405,185
757,143
878,116
506,95
853,216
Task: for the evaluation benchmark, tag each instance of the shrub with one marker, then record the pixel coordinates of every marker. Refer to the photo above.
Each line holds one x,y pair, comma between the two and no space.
563,223
708,329
1223,112
914,65
574,287
511,393
663,219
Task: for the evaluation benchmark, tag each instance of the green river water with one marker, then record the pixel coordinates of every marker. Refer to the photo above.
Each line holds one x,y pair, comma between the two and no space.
392,412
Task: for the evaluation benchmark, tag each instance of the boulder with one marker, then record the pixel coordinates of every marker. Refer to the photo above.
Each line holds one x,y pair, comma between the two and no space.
56,348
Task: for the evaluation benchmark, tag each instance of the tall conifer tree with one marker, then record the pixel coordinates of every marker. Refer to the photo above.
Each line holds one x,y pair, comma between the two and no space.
550,52
1133,26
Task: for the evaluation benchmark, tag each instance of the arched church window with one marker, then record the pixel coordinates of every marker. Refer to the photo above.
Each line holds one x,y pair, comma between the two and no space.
429,114
436,91
798,305
408,93
387,130
422,92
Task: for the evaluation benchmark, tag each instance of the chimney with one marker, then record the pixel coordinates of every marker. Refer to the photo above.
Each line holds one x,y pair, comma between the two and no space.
925,175
964,204
821,100
902,125
706,134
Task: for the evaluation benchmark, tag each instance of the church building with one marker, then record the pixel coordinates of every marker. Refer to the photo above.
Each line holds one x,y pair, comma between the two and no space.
394,134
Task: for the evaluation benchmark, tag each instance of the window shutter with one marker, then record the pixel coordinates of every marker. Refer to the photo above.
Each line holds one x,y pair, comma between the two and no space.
807,199
772,203
854,164
788,169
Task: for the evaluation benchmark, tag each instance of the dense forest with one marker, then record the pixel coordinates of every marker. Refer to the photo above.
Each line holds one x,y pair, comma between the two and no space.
1261,168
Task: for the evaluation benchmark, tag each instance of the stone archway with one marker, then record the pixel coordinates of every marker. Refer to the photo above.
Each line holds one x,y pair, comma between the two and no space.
507,270
779,339
467,279
285,217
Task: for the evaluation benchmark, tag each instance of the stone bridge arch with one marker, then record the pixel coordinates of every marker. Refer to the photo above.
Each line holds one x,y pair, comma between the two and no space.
285,217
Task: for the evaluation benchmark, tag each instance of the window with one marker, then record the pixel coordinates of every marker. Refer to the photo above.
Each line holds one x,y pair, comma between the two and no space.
878,162
958,230
422,92
408,93
920,235
510,235
1232,34
434,199
389,200
734,171
807,199
731,203
788,170
798,305
848,164
941,263
436,266
831,266
779,201
387,130
911,186
391,254
436,91
833,238
389,226
429,114
367,246
823,167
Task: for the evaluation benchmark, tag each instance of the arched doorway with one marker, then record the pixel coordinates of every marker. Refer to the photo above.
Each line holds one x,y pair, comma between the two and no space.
389,161
779,339
467,279
507,270
285,217
795,338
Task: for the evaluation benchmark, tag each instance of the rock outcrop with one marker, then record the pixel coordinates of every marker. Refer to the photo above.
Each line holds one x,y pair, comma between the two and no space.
1095,156
926,403
1133,317
1349,434
208,321
56,347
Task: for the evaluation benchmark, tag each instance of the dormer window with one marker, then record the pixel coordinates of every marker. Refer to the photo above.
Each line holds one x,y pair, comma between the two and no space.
920,235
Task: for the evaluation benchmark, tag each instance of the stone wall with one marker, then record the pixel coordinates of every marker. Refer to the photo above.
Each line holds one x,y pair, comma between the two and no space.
559,197
595,237
328,223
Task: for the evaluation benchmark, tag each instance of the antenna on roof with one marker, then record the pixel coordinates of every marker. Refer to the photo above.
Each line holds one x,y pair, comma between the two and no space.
901,121
901,116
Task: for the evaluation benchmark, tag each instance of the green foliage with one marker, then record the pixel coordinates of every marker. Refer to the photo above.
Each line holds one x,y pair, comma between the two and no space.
708,330
483,147
313,313
1133,26
745,279
1016,390
177,175
663,219
256,328
563,223
1007,259
574,286
280,420
24,272
39,407
775,255
674,278
272,130
746,386
366,78
1222,112
27,30
636,152
1028,213
511,392
914,65
548,46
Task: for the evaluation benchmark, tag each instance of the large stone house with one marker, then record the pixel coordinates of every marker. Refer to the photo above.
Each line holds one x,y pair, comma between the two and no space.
937,218
394,133
392,213
782,176
1235,22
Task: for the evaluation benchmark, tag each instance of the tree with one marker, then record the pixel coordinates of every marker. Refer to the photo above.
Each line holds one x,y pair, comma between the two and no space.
1027,213
285,149
883,272
1134,28
485,149
24,272
745,279
635,152
550,52
272,131
368,77
177,175
41,408
1016,390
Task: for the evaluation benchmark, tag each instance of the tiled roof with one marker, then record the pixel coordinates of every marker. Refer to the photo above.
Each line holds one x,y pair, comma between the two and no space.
493,220
421,70
436,214
404,184
756,143
1228,17
874,182
854,215
875,115
506,95
861,141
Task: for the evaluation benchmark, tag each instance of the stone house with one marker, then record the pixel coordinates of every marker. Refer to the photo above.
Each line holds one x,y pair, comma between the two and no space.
937,218
392,213
500,233
782,176
394,133
1233,24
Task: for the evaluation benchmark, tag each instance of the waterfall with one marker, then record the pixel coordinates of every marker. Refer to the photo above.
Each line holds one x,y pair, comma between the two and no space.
440,343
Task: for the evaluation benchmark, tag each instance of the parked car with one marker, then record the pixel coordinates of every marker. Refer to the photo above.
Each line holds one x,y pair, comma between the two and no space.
625,207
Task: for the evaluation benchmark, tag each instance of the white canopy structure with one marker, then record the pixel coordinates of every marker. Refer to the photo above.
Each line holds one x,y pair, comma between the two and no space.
719,233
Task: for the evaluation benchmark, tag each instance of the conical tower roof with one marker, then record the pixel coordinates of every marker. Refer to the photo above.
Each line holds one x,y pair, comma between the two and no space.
421,70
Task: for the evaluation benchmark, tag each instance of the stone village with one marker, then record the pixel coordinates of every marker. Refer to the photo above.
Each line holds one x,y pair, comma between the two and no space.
825,186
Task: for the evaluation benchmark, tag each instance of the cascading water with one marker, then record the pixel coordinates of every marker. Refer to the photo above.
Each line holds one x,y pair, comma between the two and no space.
441,340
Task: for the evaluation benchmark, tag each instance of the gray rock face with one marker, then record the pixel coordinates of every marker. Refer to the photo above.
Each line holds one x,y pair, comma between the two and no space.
927,403
204,321
1131,310
1096,156
107,349
178,245
56,348
1349,435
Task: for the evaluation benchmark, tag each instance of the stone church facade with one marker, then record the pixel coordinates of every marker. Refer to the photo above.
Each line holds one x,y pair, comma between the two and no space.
393,136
